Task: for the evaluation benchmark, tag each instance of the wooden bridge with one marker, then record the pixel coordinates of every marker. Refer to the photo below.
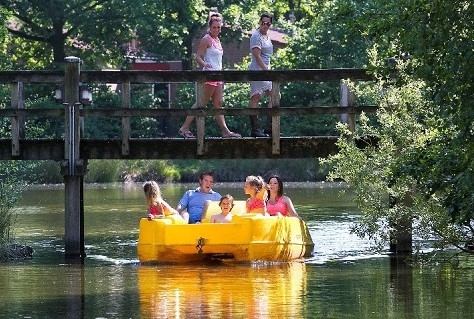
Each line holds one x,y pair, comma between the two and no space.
73,151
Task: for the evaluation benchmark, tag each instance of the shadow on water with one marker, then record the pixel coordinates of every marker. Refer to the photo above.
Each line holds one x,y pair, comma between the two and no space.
401,285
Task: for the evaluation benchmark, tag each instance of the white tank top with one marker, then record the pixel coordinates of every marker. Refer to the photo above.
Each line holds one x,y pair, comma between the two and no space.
213,54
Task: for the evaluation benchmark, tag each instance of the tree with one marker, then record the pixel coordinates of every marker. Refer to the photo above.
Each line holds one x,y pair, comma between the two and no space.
95,30
424,157
10,195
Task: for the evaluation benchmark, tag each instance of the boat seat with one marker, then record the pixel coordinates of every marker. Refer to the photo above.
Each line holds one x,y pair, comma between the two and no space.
213,208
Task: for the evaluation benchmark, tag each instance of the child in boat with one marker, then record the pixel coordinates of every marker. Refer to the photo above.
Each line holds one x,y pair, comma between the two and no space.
256,188
157,206
226,204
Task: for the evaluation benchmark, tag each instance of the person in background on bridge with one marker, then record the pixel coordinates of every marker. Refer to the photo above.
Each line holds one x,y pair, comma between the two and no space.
257,190
226,204
191,205
277,203
157,206
209,57
261,49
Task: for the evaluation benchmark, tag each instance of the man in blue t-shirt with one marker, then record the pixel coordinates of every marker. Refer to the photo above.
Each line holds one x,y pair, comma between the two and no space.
193,200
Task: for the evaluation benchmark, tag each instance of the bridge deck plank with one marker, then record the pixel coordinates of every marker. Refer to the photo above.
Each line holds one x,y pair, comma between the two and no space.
176,148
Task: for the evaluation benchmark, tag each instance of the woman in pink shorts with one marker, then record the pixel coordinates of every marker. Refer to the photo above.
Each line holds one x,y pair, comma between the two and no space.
209,56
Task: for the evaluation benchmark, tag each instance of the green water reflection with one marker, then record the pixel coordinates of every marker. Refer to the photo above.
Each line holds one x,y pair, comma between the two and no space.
345,278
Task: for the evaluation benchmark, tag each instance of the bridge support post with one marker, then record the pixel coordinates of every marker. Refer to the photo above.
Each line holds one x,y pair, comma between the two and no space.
72,167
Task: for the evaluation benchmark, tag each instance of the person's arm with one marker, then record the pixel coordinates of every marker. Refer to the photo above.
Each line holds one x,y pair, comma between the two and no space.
203,45
265,212
150,216
167,207
263,193
205,208
257,53
181,208
289,206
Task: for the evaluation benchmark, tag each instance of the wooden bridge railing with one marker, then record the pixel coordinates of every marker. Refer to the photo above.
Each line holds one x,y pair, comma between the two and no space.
18,113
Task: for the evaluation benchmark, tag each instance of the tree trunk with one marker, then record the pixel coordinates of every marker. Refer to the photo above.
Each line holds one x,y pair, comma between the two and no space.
57,42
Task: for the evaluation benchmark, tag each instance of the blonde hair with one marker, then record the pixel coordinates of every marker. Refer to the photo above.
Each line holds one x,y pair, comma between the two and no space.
255,181
152,192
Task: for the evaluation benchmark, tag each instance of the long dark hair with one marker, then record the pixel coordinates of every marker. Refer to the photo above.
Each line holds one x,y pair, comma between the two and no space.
280,185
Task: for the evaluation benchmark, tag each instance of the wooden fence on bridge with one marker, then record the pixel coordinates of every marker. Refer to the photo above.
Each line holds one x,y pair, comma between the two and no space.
73,151
18,147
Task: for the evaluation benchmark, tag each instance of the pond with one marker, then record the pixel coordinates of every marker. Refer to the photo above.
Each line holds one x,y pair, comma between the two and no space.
345,278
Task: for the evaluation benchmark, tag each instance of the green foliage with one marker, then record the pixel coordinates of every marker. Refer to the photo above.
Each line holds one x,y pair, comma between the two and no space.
40,172
414,148
10,194
43,33
103,171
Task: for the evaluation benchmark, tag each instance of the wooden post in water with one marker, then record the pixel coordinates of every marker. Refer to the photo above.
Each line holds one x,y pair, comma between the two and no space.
401,235
72,167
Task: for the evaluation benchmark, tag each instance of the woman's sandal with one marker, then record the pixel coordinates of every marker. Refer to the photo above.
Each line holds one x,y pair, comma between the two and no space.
186,134
232,135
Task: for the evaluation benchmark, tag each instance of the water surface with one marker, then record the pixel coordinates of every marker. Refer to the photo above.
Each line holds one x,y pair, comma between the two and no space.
345,277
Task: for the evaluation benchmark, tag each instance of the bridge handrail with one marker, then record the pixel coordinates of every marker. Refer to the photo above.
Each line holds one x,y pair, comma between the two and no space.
123,76
175,112
73,76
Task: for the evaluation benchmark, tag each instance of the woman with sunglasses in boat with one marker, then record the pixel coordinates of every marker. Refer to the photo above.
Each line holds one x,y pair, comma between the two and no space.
261,49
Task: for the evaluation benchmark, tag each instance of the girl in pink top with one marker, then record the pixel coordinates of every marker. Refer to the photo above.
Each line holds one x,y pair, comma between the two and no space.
209,57
157,206
277,203
255,187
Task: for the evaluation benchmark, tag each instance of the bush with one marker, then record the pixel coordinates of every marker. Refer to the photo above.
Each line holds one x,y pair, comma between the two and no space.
10,194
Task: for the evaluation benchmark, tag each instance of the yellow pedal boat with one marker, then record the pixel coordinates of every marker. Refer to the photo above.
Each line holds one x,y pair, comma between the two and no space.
249,237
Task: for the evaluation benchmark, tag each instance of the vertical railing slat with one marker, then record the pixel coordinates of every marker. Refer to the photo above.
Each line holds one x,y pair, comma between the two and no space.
200,129
347,100
126,130
17,122
275,98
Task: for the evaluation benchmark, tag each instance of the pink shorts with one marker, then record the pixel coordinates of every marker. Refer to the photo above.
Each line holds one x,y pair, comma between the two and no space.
216,83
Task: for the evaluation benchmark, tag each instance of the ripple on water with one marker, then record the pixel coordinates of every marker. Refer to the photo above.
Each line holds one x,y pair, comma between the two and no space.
333,241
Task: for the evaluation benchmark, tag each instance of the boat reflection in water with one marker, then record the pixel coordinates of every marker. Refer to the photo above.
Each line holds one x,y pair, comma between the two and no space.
228,290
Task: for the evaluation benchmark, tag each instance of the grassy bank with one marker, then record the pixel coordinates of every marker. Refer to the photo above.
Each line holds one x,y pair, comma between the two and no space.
109,171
